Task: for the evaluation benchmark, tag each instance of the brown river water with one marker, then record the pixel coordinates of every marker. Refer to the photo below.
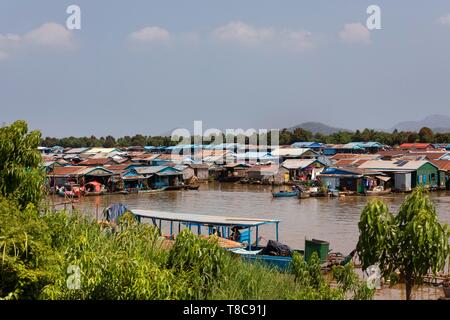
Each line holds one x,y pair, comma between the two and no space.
332,219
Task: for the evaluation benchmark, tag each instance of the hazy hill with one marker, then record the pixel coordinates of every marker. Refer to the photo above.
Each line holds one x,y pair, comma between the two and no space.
317,127
437,123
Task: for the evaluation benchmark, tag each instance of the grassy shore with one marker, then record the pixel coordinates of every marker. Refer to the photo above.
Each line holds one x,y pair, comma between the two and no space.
43,251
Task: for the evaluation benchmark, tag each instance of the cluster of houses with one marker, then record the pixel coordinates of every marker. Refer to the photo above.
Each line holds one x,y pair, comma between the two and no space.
357,167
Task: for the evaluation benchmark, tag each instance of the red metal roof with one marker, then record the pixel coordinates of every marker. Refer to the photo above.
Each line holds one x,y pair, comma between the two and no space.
416,146
66,171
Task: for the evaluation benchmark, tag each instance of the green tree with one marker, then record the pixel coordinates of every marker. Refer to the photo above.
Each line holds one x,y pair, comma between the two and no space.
21,174
109,142
426,135
412,243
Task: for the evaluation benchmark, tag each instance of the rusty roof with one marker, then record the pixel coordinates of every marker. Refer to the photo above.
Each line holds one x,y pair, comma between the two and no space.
67,170
442,164
96,162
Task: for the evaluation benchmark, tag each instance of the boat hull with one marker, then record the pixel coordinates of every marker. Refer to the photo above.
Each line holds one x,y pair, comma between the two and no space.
278,262
285,194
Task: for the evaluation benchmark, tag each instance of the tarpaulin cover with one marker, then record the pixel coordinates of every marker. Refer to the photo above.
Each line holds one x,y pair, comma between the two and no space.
114,212
275,248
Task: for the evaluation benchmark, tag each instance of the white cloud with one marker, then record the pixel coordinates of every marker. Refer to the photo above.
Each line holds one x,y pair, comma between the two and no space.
445,20
355,33
50,35
243,33
246,35
151,35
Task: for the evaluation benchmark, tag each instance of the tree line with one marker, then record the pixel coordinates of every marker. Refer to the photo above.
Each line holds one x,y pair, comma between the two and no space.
424,135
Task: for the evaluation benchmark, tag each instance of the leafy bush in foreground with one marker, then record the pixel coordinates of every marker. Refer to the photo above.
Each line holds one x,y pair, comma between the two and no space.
132,262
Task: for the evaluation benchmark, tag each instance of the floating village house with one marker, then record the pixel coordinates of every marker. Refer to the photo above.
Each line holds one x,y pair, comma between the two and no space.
154,177
303,169
230,172
81,175
352,179
268,174
408,174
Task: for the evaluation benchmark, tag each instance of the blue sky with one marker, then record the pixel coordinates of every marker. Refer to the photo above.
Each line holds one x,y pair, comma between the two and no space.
150,66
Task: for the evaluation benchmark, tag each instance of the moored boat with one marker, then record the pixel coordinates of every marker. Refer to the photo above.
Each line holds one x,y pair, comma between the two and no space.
281,194
242,231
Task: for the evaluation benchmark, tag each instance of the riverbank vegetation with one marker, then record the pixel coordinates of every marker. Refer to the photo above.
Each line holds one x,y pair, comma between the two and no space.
57,255
286,136
406,246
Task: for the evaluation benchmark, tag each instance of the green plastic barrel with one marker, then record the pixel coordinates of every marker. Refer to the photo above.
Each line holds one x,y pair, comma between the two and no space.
319,246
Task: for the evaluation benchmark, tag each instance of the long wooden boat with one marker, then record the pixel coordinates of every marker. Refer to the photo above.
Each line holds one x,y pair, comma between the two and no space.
93,193
152,190
180,187
246,244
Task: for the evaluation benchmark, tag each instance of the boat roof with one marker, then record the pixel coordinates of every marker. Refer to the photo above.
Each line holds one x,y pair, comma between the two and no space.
204,219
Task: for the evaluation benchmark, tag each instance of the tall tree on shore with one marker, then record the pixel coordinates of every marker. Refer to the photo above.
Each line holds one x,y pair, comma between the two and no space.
109,142
426,135
411,244
21,174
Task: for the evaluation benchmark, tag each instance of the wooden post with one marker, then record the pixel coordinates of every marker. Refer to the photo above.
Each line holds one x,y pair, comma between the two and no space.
277,231
257,234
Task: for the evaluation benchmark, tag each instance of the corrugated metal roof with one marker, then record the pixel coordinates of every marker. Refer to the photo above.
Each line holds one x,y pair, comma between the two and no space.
76,150
442,164
416,145
204,219
290,151
95,162
297,163
67,170
393,165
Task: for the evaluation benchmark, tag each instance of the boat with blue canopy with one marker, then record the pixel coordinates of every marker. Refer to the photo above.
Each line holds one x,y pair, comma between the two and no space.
245,231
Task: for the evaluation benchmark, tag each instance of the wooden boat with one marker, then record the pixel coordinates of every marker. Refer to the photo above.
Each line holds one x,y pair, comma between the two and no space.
93,193
243,231
377,192
304,195
193,187
152,190
179,187
281,194
230,179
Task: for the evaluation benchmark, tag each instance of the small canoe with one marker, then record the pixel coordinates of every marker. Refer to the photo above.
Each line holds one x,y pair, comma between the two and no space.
152,190
192,187
281,194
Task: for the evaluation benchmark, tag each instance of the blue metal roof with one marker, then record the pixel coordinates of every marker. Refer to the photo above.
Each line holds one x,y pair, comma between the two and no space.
307,145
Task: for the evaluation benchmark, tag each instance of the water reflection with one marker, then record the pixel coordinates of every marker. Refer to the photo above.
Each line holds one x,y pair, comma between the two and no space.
331,219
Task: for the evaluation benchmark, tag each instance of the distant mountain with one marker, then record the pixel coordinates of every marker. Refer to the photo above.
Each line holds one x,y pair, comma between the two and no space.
437,123
317,127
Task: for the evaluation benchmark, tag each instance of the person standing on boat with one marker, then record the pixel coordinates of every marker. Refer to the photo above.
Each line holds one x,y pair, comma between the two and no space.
236,234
